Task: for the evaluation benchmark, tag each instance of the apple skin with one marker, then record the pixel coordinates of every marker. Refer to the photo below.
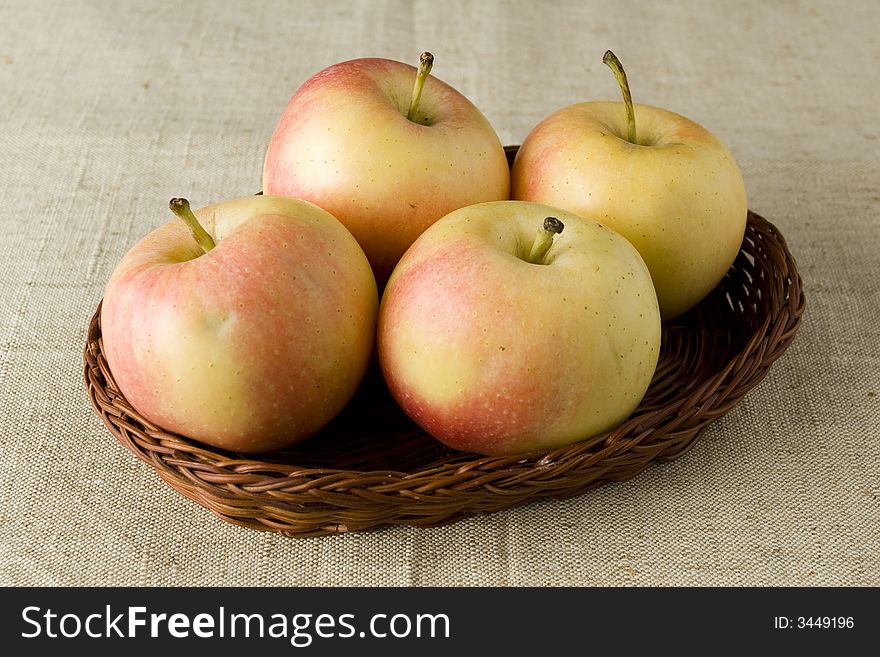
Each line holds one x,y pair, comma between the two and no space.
680,199
249,347
345,144
496,355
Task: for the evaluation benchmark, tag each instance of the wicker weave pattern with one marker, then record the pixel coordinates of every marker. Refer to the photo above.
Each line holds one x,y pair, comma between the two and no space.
372,466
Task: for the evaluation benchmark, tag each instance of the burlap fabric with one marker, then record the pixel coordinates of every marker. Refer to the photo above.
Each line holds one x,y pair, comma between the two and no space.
108,110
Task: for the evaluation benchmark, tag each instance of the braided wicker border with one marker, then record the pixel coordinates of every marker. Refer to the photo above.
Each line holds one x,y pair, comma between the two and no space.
372,467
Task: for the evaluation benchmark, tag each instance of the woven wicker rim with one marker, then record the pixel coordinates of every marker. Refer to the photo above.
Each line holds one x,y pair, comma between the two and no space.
373,467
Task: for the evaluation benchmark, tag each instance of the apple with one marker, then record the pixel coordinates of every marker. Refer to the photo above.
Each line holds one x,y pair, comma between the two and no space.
247,326
387,149
498,347
660,180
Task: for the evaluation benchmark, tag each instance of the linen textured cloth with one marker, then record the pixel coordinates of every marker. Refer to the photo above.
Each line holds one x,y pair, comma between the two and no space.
107,110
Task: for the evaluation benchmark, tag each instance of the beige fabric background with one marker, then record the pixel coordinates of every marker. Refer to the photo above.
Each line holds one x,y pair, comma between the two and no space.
109,109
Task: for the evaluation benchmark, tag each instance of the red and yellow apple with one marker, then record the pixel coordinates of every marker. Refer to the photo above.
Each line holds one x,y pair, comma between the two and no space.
249,330
499,336
659,179
387,150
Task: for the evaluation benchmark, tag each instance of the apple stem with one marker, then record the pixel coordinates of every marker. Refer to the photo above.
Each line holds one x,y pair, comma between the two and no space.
180,207
426,63
610,59
544,240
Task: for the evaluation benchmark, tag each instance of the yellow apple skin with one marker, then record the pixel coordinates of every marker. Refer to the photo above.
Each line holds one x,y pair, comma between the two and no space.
345,144
492,354
678,195
253,345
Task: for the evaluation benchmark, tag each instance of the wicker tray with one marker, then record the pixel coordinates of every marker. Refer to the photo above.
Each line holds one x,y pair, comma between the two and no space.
373,467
